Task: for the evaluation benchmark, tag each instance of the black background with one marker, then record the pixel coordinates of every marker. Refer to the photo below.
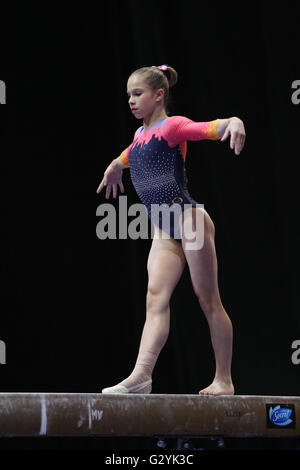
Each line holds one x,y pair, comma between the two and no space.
73,306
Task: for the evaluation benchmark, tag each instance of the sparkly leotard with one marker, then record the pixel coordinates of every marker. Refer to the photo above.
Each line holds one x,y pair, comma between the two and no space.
156,159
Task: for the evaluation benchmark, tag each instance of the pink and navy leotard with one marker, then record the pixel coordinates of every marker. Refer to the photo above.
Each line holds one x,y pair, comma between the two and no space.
156,159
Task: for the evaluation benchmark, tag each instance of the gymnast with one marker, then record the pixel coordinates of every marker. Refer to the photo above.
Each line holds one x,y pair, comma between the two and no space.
156,159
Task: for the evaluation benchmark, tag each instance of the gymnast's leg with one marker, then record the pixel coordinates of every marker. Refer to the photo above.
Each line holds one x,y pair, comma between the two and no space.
165,265
203,270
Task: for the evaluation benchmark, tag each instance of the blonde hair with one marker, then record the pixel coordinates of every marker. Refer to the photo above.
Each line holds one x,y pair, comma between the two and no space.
156,78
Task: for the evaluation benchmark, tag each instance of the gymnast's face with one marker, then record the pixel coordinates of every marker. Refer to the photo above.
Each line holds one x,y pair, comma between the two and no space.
142,99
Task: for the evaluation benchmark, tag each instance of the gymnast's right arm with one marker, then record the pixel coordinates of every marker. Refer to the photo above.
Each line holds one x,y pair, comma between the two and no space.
113,174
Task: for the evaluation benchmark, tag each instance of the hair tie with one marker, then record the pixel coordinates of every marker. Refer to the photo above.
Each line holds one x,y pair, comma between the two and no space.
162,67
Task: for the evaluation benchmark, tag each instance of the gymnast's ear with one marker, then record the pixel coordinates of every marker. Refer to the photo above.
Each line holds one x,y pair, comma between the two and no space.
160,93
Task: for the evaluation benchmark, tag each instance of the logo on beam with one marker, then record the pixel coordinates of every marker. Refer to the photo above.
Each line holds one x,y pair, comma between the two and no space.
280,415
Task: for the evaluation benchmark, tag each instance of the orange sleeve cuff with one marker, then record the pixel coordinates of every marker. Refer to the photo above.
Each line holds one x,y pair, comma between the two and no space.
124,157
212,130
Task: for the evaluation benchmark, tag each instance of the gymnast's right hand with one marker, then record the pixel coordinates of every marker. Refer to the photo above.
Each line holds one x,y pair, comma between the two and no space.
112,178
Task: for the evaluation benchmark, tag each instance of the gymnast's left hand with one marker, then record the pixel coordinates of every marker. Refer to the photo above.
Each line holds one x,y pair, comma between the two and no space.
236,130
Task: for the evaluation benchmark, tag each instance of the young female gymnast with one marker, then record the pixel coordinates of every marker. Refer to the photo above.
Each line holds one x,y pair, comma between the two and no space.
156,160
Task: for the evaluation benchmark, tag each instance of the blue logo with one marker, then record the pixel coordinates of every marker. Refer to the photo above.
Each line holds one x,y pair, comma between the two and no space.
280,416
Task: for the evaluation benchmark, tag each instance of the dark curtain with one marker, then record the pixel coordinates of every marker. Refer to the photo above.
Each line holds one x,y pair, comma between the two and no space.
74,305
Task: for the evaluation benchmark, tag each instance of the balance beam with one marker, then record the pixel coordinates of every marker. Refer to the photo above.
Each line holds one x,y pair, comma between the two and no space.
88,414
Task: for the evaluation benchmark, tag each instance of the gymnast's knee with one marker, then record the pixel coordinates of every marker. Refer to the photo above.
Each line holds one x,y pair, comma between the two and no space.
209,302
157,301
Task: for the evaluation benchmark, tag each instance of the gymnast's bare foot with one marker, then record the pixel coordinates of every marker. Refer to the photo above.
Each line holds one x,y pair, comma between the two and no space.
218,387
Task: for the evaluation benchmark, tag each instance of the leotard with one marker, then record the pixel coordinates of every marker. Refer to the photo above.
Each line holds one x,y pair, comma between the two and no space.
156,159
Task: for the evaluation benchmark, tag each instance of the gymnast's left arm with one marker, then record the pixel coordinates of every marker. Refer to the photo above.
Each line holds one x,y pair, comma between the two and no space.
234,127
